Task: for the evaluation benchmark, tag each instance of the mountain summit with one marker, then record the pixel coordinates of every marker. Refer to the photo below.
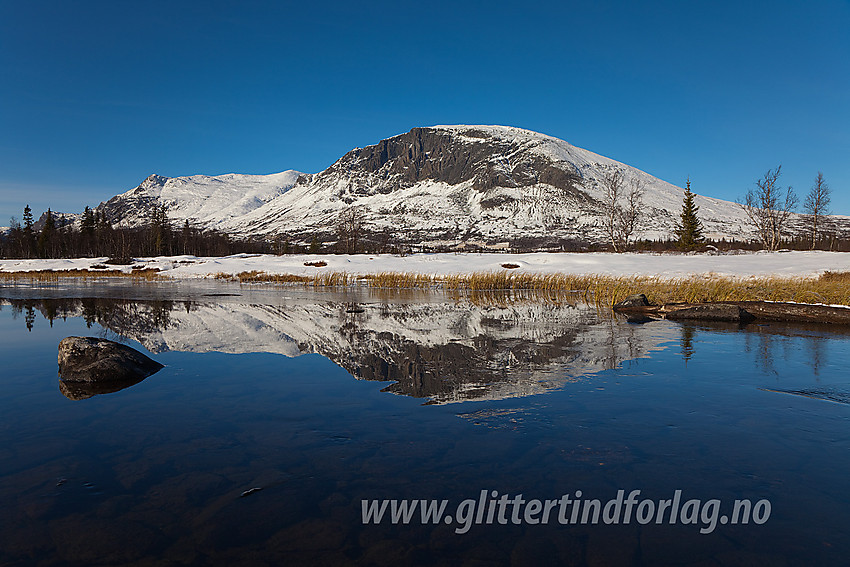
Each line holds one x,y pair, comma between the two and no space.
440,185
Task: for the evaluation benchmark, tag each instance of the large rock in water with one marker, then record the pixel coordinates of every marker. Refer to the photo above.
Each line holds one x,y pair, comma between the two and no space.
87,359
636,300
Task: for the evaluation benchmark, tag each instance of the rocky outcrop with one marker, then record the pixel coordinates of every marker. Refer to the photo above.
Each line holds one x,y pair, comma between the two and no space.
711,312
636,306
797,312
428,154
636,300
93,360
136,204
485,163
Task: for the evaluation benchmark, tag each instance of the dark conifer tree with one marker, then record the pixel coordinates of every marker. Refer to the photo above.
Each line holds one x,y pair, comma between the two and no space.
689,229
315,246
47,237
187,237
15,240
27,232
88,227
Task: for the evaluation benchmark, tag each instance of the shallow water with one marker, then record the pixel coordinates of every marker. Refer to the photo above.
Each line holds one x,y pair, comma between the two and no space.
255,444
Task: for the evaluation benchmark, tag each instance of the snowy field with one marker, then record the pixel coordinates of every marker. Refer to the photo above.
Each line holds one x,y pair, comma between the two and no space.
668,265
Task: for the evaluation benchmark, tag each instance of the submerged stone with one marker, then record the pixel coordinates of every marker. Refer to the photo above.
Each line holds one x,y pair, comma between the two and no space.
92,360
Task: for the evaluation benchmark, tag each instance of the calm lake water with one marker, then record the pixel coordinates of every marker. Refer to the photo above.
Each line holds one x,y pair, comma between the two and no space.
279,411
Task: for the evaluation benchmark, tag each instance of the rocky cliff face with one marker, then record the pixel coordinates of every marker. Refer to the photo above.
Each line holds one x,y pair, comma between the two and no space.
429,154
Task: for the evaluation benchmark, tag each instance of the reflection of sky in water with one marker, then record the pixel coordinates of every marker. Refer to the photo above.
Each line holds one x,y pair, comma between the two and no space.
157,470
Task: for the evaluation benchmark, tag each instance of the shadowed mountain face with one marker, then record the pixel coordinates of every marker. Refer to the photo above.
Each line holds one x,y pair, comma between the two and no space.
429,154
441,350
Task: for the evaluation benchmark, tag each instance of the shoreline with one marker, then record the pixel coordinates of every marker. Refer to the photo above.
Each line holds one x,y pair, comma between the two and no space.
829,289
790,264
602,278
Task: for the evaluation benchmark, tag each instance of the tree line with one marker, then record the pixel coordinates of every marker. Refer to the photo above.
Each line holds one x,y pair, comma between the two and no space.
57,236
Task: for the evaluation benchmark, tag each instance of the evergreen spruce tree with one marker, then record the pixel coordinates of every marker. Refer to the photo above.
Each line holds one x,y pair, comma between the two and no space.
64,240
28,233
15,238
161,230
689,230
99,233
88,226
47,236
187,236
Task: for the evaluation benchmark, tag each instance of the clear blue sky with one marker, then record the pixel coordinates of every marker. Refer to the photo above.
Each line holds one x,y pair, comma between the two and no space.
95,96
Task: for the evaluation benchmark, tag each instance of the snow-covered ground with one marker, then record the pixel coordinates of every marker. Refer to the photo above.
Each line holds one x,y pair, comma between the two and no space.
668,265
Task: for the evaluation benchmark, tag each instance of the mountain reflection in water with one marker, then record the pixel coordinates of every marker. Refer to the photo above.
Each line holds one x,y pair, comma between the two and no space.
445,350
222,459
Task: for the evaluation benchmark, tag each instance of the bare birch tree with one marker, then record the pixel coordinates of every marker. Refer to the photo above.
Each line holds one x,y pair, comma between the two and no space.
631,213
623,207
349,226
817,206
612,183
768,208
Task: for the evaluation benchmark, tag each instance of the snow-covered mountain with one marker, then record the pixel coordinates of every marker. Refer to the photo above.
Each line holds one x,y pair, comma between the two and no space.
218,202
449,184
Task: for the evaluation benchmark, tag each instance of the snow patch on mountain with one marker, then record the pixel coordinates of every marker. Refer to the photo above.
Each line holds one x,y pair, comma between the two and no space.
209,201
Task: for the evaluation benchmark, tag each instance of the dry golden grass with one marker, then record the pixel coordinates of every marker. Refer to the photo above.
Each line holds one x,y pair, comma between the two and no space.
835,277
829,288
54,275
332,279
607,290
256,276
400,280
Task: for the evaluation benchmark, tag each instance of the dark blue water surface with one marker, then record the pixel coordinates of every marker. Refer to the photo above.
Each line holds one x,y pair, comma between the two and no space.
454,395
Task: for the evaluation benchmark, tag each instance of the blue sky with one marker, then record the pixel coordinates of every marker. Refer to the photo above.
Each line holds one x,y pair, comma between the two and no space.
95,96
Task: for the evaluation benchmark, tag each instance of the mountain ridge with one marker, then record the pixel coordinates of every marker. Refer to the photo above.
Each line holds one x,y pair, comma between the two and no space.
442,185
